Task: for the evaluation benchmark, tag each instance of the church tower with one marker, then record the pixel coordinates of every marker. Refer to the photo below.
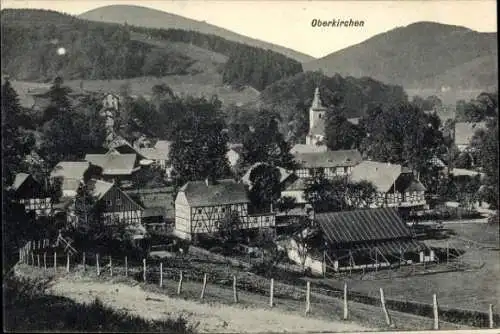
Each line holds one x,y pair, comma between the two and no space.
317,114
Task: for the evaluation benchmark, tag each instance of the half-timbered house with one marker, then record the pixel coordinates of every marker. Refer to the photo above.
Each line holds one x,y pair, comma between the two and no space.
396,185
30,193
330,163
205,207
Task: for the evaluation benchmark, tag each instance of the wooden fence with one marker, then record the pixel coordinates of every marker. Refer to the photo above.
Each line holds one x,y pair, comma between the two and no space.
40,255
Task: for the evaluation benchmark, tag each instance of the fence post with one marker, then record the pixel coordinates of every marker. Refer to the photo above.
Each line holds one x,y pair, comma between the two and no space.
447,252
144,270
235,293
55,262
110,266
436,313
490,314
384,308
84,264
346,311
126,267
32,258
179,287
161,274
38,260
97,264
204,286
271,293
67,262
20,255
308,297
45,261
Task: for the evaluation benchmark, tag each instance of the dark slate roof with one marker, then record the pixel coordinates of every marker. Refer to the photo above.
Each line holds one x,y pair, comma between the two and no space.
340,158
363,225
222,192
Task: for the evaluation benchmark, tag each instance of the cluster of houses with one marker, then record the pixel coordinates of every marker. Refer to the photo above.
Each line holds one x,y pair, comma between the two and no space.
204,206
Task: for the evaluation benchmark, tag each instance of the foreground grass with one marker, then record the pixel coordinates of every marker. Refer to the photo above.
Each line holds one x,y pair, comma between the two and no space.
27,308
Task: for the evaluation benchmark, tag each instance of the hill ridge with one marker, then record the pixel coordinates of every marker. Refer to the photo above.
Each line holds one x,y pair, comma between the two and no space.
116,14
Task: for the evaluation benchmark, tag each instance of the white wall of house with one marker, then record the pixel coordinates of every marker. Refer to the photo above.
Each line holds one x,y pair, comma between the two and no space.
294,252
299,195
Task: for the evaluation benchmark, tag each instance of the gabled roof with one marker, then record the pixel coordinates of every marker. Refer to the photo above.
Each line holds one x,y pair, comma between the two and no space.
464,131
308,148
363,225
222,192
113,163
354,120
381,174
161,151
284,174
327,159
19,179
70,169
99,188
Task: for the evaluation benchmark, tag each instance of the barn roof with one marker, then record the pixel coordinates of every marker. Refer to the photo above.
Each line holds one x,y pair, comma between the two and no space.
363,225
328,159
308,148
19,179
70,169
222,192
114,163
381,174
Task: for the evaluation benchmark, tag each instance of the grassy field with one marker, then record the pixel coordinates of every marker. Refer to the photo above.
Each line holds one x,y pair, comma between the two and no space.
27,308
473,289
202,84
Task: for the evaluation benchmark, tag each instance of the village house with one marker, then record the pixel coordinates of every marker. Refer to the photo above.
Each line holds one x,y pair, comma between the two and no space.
72,174
112,205
115,166
159,154
204,207
285,175
317,114
464,132
396,186
158,206
30,193
331,163
357,240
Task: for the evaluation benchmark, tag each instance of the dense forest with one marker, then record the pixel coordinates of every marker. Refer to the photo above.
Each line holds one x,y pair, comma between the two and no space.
31,38
291,98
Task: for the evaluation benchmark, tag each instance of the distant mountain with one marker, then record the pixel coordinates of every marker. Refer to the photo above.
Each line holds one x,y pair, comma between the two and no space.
423,55
152,18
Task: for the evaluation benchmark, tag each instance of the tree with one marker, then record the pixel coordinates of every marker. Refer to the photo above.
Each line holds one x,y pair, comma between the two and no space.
324,194
266,187
149,177
360,194
266,143
340,133
287,203
200,145
488,159
14,144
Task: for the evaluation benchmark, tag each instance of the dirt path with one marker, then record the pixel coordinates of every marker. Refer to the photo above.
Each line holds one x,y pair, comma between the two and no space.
206,317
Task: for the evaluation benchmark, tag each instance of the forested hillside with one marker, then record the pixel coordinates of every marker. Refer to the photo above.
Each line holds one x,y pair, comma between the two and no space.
94,50
421,55
291,98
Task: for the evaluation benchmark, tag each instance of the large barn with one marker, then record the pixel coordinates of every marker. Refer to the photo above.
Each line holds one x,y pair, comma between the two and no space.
361,239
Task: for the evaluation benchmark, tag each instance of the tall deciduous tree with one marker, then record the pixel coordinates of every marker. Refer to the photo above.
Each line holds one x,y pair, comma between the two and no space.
200,145
266,143
14,144
266,188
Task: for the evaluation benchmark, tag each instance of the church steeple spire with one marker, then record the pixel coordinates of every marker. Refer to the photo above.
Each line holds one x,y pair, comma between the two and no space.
316,103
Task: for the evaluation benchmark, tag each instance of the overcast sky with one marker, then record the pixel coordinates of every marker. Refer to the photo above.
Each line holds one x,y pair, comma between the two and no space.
289,23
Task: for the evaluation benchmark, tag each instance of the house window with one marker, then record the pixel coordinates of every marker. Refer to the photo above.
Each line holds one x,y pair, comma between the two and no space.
346,169
199,211
109,202
223,210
